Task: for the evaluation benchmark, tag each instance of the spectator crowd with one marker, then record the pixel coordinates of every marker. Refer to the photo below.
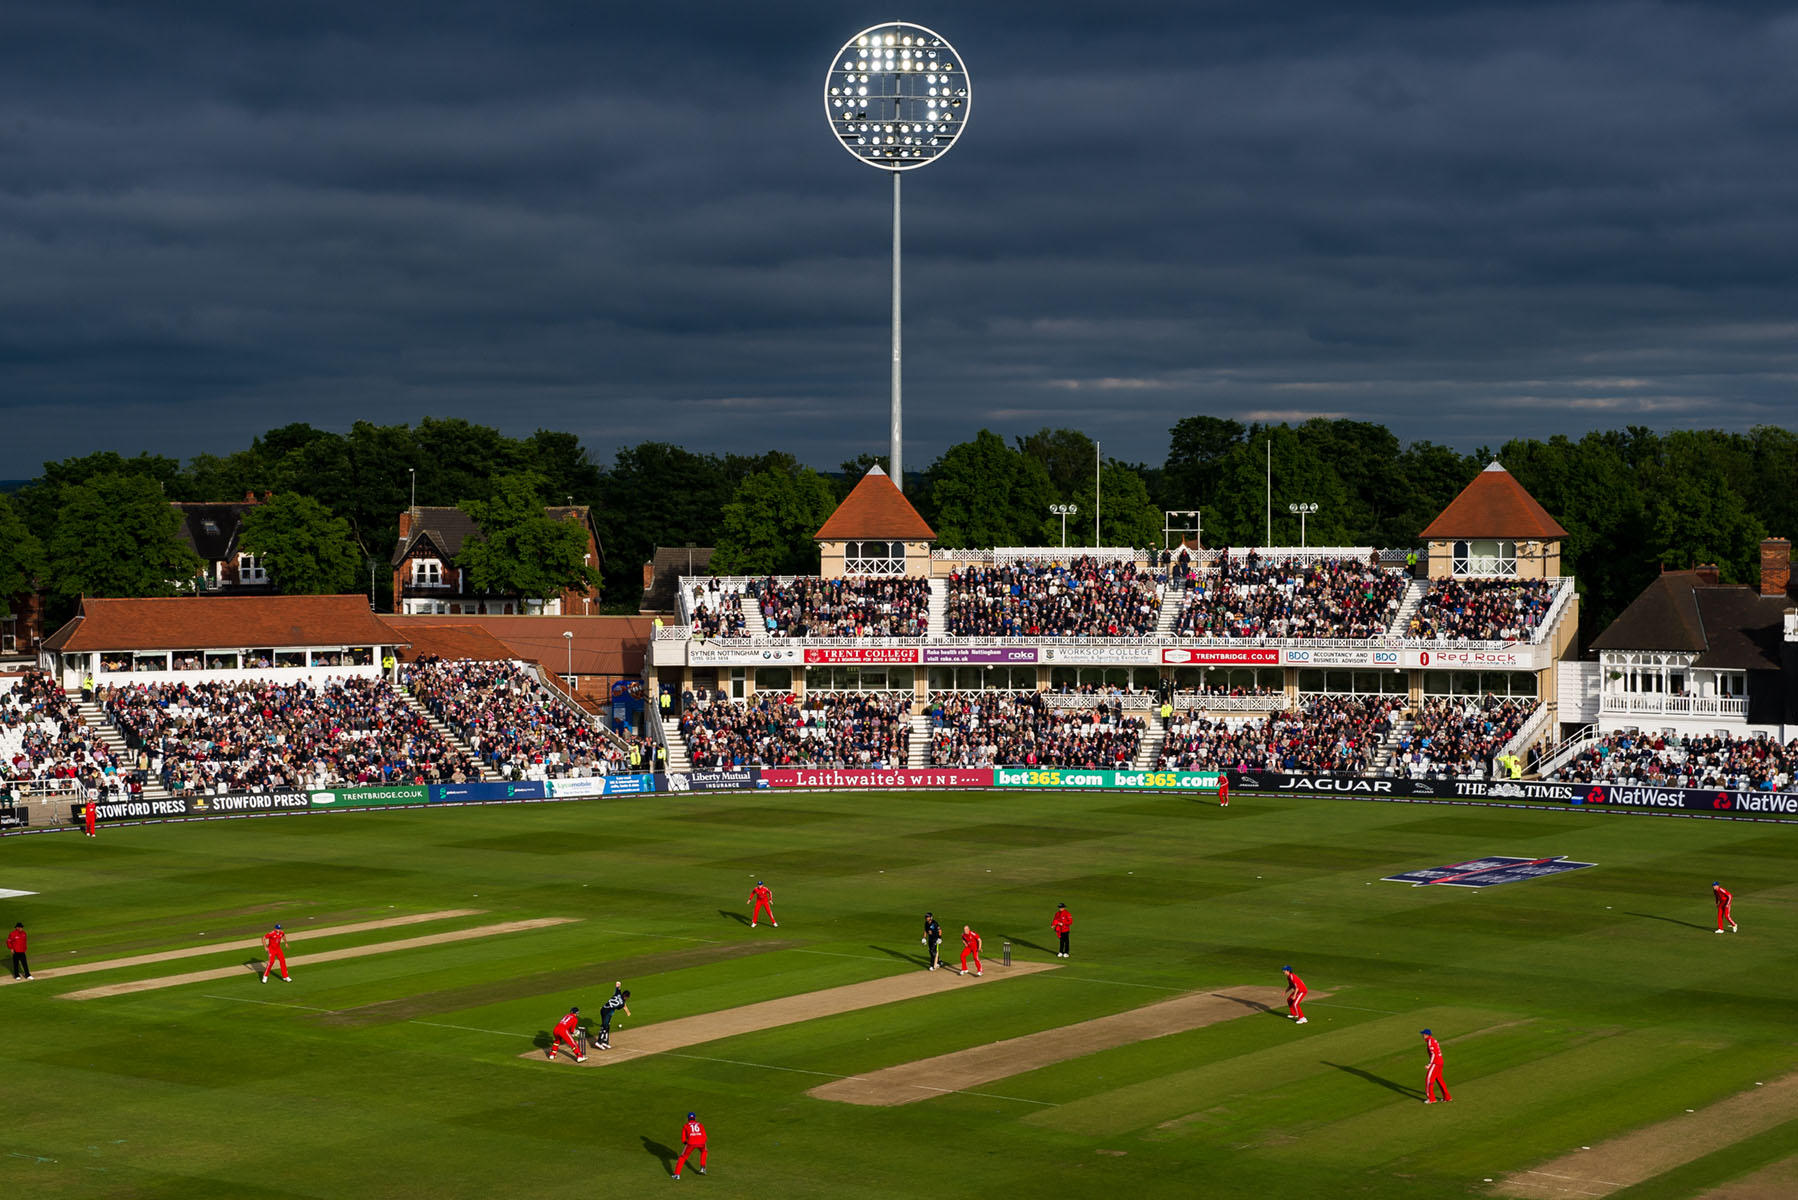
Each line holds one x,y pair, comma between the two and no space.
1256,597
517,728
1482,610
1754,763
810,606
1086,597
1458,738
44,739
216,737
982,729
1325,735
774,729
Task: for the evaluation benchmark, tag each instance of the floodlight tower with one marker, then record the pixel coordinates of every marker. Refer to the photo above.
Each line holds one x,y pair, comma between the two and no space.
897,98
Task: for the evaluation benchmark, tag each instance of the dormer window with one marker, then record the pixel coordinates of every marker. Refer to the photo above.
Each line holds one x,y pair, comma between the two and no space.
427,572
209,526
250,569
1484,556
874,558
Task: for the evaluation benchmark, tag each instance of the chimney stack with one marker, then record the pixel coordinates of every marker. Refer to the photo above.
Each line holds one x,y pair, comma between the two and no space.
1708,573
649,575
1776,566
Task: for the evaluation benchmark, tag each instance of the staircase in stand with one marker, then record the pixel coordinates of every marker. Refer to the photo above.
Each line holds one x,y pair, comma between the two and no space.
442,730
753,623
677,746
1153,739
1173,602
107,732
939,609
1407,608
1384,758
917,751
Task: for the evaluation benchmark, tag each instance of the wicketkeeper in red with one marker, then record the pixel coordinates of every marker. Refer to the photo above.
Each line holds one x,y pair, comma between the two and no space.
274,946
762,899
1432,1075
564,1035
1295,996
970,947
1723,896
692,1137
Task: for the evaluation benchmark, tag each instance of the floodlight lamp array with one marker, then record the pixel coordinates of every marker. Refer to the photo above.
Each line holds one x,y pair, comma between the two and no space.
897,96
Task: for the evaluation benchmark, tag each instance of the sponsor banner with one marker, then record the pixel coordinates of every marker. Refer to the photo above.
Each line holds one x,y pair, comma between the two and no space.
601,785
980,654
876,777
1518,789
1718,802
720,656
1116,655
863,654
474,793
733,779
370,797
1222,656
1354,785
138,808
1341,658
1488,872
1504,660
1711,800
1078,777
245,802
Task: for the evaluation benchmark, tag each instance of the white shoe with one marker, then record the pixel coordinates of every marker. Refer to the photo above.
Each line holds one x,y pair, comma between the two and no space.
776,925
1716,931
962,971
752,926
977,973
1304,1021
265,977
1732,927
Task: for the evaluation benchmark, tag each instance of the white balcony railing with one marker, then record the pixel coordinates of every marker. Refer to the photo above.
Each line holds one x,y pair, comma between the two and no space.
1650,704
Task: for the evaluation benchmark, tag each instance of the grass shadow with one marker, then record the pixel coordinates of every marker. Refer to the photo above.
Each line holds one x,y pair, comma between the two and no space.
1018,941
916,960
543,1040
255,966
666,1154
1669,920
738,917
1410,1093
1246,1002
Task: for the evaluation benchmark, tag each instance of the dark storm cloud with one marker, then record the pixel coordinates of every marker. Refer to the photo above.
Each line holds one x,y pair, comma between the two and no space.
1466,221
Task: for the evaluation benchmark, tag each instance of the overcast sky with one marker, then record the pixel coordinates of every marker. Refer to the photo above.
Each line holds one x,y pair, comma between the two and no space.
1464,220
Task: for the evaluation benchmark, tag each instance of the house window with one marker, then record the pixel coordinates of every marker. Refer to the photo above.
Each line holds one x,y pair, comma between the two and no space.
1733,684
427,572
250,569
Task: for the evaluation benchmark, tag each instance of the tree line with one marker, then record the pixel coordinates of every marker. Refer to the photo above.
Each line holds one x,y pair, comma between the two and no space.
1633,501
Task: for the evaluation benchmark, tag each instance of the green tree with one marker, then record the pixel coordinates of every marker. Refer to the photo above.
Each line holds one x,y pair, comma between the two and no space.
116,535
658,494
986,494
769,523
523,551
1197,448
21,557
306,550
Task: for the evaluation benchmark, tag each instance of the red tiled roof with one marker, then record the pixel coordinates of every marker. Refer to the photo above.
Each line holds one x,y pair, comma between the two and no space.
1494,505
875,509
602,645
221,623
454,642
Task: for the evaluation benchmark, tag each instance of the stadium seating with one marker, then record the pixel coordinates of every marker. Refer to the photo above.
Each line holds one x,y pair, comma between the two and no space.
835,729
1327,734
1257,597
1482,609
1754,763
43,737
814,607
1086,597
979,729
260,736
1458,738
515,725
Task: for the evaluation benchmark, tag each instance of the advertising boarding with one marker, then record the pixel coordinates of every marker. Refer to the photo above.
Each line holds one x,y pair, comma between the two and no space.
884,778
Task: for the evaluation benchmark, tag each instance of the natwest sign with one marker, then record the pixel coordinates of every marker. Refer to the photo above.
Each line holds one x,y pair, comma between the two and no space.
1224,656
863,654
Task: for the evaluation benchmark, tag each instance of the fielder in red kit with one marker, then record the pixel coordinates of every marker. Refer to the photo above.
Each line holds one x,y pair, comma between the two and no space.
274,945
1432,1075
563,1034
90,814
763,900
692,1137
970,945
1063,922
1723,896
1223,791
1295,996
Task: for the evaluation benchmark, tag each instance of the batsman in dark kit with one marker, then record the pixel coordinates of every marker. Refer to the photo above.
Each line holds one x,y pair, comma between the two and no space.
609,1010
933,938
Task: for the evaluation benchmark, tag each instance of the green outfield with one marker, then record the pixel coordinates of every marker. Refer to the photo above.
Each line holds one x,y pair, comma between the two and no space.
1571,1009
